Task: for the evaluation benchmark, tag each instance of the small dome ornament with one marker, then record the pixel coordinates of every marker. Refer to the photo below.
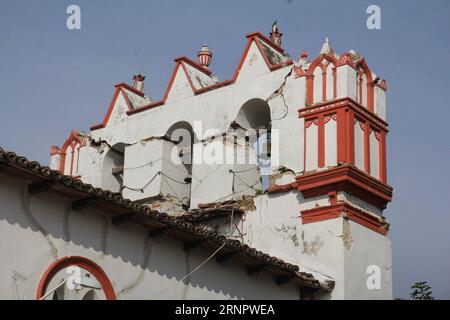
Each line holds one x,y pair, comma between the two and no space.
138,82
204,57
275,34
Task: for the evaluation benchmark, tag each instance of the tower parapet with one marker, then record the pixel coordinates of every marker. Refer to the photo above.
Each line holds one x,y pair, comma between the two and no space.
312,186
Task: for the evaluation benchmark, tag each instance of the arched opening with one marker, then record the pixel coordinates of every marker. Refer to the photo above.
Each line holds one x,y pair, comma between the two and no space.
177,169
75,278
182,135
112,168
255,118
254,114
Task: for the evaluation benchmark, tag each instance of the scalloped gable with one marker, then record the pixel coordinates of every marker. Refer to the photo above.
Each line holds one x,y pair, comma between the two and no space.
260,56
135,98
187,78
253,65
179,87
117,110
199,79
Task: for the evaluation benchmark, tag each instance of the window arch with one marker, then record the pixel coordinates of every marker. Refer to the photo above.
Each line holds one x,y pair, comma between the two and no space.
365,86
70,153
321,79
85,264
255,118
112,168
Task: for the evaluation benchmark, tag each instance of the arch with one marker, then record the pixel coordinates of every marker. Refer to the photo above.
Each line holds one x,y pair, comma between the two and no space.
72,147
176,131
255,118
365,85
327,64
112,168
254,114
81,262
182,134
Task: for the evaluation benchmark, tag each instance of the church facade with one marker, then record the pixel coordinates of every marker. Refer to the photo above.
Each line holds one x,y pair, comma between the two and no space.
269,185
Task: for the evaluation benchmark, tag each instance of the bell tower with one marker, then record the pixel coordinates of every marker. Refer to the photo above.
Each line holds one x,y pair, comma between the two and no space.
344,182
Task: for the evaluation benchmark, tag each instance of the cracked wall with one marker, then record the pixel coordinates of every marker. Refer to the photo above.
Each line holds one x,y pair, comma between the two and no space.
32,236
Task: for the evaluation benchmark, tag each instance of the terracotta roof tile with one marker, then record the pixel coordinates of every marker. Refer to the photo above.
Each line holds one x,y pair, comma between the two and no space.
143,214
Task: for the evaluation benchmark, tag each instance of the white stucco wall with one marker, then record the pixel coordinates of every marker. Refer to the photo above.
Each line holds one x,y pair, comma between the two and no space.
312,151
359,265
380,102
274,226
331,143
36,230
374,156
346,84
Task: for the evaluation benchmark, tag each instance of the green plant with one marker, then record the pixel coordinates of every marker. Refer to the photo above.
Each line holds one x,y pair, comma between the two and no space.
421,291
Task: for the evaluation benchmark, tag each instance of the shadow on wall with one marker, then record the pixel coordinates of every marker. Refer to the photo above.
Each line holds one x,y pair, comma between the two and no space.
128,242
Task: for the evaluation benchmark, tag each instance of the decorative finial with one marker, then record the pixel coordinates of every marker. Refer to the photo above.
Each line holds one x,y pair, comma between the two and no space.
275,35
204,56
304,55
138,82
326,47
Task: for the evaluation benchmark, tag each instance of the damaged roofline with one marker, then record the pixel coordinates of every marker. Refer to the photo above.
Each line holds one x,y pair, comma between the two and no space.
86,195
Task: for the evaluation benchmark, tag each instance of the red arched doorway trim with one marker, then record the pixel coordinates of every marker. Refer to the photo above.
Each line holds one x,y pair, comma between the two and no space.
81,262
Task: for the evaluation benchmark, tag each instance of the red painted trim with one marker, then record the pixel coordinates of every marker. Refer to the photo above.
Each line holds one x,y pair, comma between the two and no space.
318,62
97,126
81,262
367,147
364,68
188,77
382,85
346,211
313,110
349,136
172,79
72,141
130,88
341,136
272,67
255,36
309,89
213,86
54,150
332,197
265,39
282,188
110,110
346,178
146,107
345,59
382,155
127,101
370,96
193,64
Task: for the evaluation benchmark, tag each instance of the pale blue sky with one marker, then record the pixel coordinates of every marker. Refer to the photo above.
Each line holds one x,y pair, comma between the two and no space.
53,80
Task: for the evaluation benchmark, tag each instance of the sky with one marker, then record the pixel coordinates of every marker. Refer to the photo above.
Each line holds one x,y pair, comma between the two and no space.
53,80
